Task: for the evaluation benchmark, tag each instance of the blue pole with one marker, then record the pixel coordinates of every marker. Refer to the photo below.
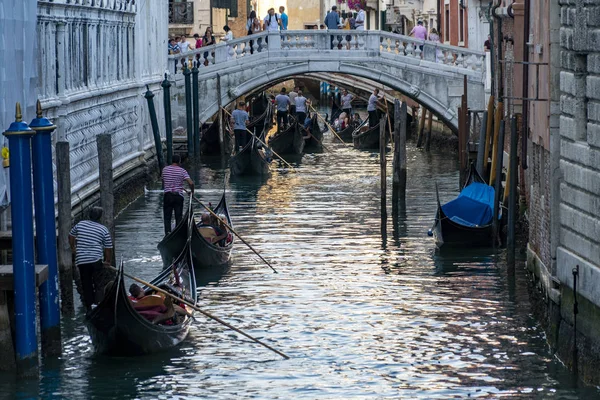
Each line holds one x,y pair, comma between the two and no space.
45,229
19,140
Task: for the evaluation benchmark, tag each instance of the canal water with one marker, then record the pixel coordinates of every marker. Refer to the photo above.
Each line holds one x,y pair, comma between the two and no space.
361,314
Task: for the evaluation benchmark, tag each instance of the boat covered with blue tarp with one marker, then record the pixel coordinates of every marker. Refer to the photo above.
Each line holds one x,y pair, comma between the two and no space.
467,220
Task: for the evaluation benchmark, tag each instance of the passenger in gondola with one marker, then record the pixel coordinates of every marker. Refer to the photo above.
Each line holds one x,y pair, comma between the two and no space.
135,292
356,120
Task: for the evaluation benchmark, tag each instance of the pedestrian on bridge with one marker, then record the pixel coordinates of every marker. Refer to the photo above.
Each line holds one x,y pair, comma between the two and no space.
173,178
272,21
332,21
360,19
91,241
284,18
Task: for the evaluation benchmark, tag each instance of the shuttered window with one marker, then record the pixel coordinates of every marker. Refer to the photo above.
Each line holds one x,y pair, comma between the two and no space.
232,5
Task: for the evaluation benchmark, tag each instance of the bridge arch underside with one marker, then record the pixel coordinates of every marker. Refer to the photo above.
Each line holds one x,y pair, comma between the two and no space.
440,93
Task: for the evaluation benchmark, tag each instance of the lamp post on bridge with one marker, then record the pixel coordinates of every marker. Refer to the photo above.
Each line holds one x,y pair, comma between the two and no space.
45,227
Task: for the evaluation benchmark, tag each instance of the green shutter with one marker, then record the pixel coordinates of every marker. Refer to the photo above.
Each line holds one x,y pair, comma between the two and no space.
232,5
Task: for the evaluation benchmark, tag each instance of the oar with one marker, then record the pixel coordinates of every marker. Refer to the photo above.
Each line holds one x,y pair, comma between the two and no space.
328,126
195,307
234,232
264,144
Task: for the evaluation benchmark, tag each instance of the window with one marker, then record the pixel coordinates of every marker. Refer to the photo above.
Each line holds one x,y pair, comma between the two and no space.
461,25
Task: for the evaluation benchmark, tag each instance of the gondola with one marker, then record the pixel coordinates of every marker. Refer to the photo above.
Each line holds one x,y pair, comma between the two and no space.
118,329
346,134
209,141
206,255
314,140
252,159
335,110
366,138
466,220
289,141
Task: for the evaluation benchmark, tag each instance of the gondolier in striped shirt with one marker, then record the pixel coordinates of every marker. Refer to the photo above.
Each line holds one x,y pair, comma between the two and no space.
173,177
90,241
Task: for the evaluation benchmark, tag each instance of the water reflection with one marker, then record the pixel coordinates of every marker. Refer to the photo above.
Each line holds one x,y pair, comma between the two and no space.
361,314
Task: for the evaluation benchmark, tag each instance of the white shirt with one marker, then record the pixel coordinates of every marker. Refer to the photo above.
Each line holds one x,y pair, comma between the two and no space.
300,104
372,106
184,46
228,36
360,19
271,23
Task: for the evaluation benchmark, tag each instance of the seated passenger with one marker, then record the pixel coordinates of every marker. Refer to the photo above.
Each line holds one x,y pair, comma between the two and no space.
343,120
307,121
219,224
356,120
135,292
206,228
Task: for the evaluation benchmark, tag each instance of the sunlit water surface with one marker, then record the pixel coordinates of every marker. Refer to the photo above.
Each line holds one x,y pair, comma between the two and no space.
359,315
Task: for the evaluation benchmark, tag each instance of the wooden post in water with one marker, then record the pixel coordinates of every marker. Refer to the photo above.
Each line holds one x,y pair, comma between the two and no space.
495,143
382,163
488,136
65,259
189,110
498,177
414,123
428,136
421,127
464,127
221,117
482,144
107,195
399,164
460,153
511,187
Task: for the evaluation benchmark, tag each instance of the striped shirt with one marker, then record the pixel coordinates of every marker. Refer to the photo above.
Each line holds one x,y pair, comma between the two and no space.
173,178
92,239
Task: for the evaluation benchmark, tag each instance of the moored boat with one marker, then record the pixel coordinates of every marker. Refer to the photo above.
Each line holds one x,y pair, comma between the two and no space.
366,137
210,143
468,219
120,328
205,253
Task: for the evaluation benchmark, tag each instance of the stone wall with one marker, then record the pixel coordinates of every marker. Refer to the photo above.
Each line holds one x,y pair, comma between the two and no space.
94,62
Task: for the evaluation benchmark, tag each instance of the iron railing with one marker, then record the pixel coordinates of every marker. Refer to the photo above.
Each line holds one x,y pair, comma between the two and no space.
181,12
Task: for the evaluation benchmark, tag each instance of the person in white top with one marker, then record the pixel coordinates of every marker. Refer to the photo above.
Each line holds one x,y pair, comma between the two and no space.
272,21
360,18
184,45
227,38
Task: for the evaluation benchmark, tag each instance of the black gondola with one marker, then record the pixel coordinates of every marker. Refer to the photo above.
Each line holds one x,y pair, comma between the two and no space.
289,141
314,140
118,329
335,110
210,143
466,220
252,159
346,134
205,254
366,137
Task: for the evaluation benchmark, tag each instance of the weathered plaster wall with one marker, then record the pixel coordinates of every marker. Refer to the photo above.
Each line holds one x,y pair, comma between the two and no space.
18,71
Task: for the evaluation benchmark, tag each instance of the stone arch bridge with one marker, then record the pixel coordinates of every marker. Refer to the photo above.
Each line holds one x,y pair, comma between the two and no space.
429,73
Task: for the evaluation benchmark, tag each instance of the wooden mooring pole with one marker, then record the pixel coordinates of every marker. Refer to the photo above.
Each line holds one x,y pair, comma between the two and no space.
166,85
498,178
399,163
221,119
511,186
107,195
65,260
188,110
421,127
428,135
383,165
481,146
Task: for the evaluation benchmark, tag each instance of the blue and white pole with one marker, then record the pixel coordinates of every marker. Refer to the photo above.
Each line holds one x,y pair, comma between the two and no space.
19,139
45,229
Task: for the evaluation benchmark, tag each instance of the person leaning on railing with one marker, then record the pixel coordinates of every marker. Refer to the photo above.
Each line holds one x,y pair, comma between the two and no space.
207,40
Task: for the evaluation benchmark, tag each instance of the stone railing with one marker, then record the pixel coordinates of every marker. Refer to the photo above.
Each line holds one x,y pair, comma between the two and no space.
336,45
115,5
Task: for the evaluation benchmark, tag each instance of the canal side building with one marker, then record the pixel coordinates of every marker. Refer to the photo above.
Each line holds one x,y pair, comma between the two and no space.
88,63
557,95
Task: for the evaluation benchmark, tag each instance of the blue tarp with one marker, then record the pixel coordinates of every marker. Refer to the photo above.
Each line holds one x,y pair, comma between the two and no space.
474,206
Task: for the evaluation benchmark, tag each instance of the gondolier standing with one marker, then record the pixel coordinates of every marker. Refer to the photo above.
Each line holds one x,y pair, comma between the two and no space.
173,177
90,240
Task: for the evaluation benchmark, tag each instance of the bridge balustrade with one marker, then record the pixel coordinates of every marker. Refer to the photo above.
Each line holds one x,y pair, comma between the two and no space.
336,43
